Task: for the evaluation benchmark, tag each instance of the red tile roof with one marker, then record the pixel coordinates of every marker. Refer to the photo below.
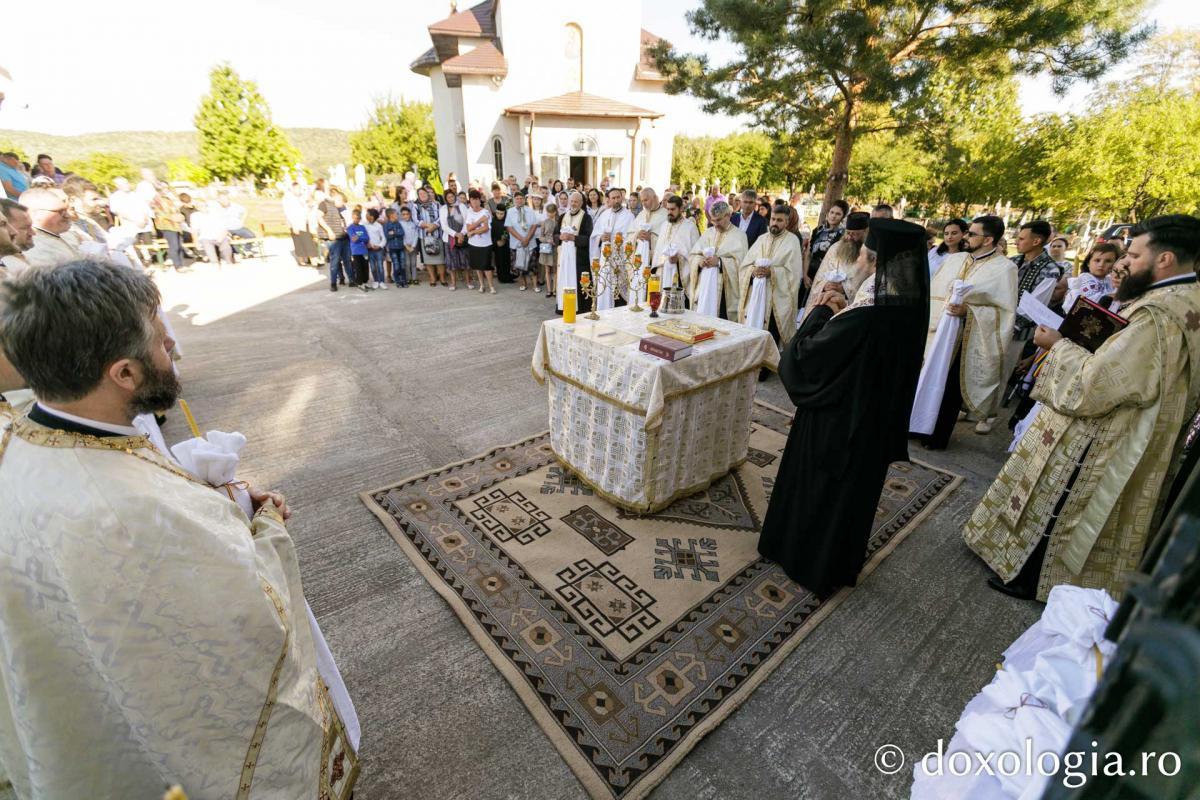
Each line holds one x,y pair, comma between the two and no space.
646,69
580,104
478,20
485,59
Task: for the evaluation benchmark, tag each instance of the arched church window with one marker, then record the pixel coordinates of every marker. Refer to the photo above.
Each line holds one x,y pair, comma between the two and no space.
573,51
498,156
644,161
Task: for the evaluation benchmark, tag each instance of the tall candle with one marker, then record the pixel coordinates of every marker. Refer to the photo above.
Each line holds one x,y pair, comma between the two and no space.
569,306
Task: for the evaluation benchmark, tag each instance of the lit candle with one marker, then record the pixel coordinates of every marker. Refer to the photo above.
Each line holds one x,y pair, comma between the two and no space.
646,273
569,306
585,278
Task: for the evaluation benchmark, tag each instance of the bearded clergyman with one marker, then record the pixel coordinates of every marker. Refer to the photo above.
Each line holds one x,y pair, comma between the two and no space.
1085,485
154,633
842,260
770,278
674,241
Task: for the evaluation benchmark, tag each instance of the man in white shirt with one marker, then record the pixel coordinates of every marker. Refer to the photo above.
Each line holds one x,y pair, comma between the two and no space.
521,223
210,231
234,216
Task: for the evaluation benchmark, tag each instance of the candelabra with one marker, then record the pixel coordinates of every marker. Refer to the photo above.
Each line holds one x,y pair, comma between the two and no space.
593,285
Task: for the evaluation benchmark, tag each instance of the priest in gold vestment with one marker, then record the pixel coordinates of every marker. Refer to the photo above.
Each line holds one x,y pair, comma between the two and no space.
776,261
1085,486
976,378
153,634
722,247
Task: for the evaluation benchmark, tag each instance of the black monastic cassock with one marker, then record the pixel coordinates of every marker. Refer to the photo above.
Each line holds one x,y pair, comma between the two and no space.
852,377
582,264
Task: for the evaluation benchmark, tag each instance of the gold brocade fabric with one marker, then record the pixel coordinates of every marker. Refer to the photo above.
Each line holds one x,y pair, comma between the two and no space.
987,328
787,270
1118,413
226,705
730,246
614,409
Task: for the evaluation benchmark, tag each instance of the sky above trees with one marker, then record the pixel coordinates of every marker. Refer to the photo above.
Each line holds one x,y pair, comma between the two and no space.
315,68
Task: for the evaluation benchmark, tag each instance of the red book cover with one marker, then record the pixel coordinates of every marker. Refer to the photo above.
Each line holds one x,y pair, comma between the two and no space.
665,347
1089,324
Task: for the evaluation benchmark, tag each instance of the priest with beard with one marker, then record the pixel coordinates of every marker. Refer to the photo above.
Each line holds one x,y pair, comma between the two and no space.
1086,485
842,257
573,230
769,280
851,371
160,634
673,243
614,219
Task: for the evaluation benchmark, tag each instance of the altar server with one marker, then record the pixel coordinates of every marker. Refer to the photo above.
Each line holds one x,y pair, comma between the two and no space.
852,374
163,636
673,243
713,264
770,277
574,231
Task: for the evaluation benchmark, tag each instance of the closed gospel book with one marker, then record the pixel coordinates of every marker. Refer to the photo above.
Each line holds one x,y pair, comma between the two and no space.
683,331
665,347
1089,324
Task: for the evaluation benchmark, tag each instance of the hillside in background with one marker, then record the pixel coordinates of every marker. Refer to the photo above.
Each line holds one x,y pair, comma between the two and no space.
320,147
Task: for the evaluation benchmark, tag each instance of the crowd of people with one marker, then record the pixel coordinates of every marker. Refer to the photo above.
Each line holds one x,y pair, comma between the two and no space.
72,215
860,308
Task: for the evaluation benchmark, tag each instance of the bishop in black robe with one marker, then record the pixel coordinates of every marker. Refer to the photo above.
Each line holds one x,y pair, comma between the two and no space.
852,376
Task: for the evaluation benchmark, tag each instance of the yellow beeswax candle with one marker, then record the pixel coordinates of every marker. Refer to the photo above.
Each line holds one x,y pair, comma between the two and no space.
569,306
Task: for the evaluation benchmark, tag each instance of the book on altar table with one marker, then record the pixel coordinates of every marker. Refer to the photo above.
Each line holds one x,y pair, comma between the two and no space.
665,347
688,332
1088,324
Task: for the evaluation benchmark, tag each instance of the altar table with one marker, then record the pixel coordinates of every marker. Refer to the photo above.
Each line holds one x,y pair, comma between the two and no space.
641,431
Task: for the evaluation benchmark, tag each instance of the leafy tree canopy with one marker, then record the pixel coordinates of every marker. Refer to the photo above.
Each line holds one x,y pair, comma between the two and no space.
397,135
101,169
236,135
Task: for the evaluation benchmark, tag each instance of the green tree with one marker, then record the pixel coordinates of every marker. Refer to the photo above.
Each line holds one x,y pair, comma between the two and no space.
237,137
101,169
397,135
692,160
848,68
184,169
1131,159
741,157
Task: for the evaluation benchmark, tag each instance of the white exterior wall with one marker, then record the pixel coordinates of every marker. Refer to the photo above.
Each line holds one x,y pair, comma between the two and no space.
535,42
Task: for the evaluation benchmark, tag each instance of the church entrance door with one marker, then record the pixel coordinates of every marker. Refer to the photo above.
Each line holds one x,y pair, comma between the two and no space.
579,169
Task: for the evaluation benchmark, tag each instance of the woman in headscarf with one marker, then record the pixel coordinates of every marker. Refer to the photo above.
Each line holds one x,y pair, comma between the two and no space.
432,243
852,372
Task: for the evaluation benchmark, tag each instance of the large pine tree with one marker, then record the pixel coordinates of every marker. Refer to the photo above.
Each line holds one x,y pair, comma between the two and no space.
841,69
237,137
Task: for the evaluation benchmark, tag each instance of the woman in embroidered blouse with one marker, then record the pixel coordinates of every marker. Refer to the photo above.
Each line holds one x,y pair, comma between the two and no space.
454,227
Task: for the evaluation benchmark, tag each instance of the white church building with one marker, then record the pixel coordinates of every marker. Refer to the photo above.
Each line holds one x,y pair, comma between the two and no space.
555,90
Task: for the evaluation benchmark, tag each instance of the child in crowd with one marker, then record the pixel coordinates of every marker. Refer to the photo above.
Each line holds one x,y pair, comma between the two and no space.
1095,283
376,243
358,250
394,234
411,240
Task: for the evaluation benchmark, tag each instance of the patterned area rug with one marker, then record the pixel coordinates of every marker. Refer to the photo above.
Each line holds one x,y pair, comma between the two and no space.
627,637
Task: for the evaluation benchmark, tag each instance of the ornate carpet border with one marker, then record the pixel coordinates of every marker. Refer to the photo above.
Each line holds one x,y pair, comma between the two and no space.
595,786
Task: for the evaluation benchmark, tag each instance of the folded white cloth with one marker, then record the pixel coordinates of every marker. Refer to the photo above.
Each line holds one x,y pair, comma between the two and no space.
708,293
757,305
214,460
931,385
